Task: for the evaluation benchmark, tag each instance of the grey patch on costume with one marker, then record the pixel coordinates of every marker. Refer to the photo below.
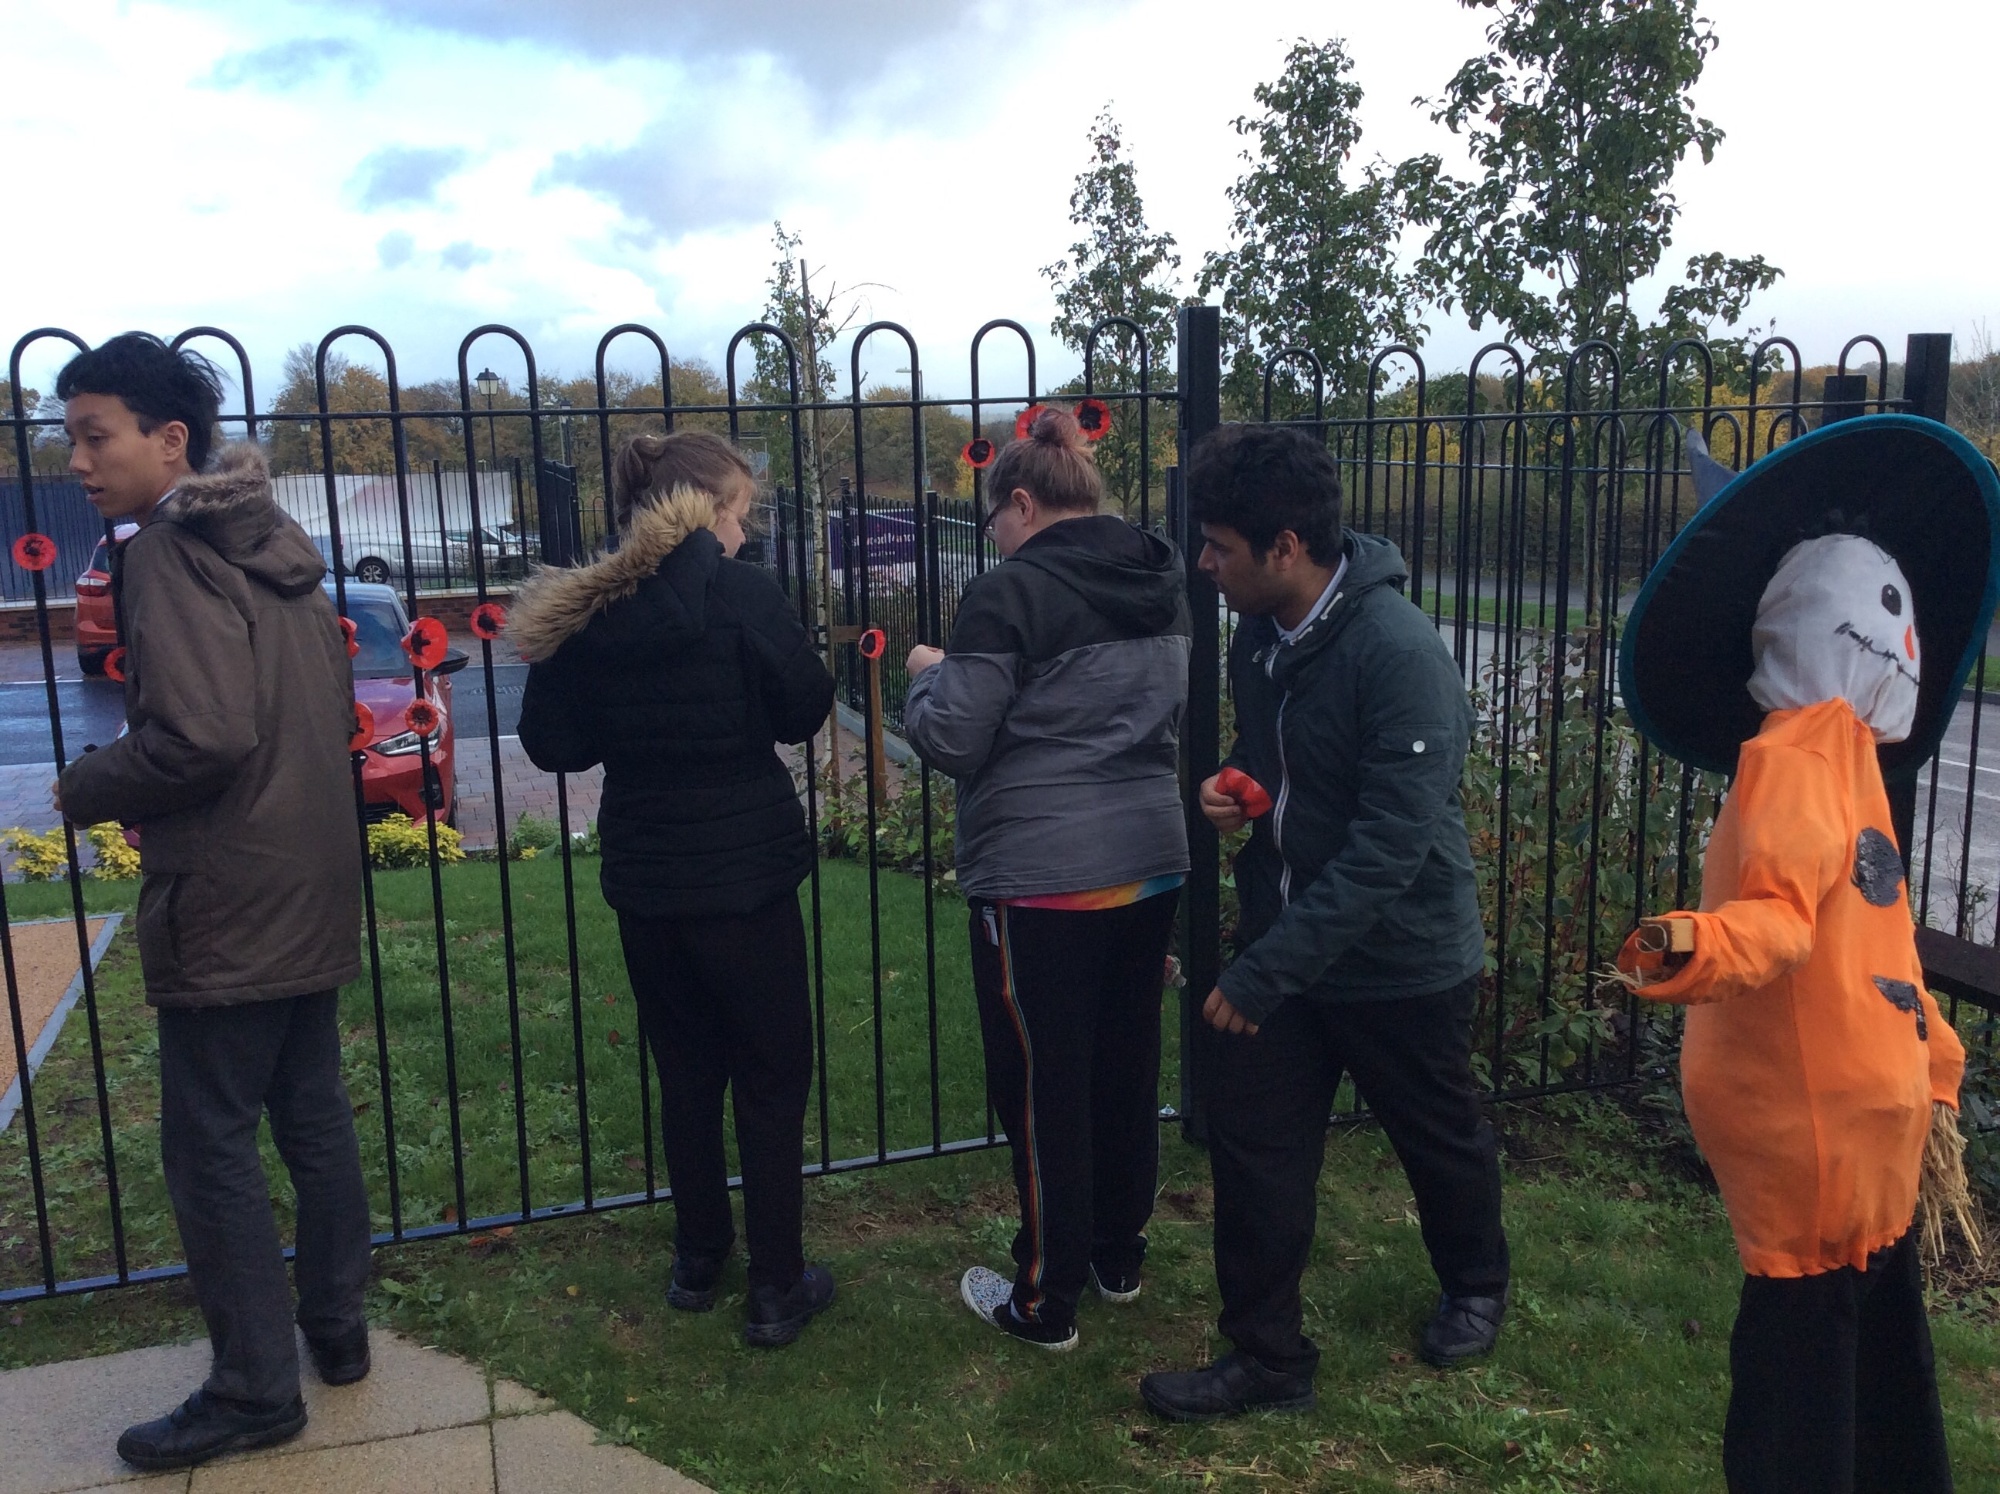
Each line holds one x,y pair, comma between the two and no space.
1878,868
1903,997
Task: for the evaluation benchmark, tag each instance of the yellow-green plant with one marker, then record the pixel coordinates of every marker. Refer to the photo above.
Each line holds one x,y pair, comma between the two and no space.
116,861
401,841
38,858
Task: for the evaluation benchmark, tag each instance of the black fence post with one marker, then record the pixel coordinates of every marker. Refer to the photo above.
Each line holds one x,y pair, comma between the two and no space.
1927,375
1845,397
1199,345
1926,392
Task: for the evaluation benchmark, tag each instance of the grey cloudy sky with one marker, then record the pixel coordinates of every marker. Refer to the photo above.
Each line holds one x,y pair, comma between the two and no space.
425,166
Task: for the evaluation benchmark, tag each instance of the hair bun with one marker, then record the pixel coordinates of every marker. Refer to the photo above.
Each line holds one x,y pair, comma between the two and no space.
1056,427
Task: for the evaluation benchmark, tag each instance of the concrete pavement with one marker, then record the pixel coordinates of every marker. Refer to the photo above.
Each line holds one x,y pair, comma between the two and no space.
422,1421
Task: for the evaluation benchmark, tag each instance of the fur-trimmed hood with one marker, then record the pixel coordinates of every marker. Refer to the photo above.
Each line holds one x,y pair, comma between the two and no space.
556,604
231,508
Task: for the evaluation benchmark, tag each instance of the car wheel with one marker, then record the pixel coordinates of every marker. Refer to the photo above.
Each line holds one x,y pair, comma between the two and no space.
372,572
91,661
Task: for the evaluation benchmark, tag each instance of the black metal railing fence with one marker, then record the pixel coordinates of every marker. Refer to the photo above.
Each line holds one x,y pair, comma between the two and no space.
485,1041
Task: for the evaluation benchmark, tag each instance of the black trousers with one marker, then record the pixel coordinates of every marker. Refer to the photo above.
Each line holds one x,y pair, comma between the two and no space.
1069,1007
221,1070
1269,1099
1833,1389
724,1005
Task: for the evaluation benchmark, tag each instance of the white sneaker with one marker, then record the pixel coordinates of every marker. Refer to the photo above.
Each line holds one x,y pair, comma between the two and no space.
1123,1291
991,1298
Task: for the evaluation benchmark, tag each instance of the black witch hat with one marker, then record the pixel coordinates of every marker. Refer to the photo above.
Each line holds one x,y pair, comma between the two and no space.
1916,488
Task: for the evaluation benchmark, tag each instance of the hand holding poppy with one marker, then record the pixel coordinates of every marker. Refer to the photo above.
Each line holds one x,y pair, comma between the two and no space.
922,657
1223,1017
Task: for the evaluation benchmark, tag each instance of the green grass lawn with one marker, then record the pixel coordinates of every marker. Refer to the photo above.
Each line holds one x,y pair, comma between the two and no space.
1611,1375
483,1019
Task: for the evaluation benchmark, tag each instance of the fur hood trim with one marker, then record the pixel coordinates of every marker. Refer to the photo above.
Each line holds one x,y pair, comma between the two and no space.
238,478
555,604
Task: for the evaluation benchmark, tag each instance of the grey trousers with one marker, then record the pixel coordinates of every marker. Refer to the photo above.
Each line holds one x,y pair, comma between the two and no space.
221,1070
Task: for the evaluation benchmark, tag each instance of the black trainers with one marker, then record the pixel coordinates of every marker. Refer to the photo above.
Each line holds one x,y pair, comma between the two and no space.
691,1286
1119,1284
1232,1385
205,1426
1462,1328
776,1318
341,1360
991,1298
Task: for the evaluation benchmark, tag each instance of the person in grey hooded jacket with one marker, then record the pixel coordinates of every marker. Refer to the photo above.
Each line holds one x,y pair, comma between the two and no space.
1057,708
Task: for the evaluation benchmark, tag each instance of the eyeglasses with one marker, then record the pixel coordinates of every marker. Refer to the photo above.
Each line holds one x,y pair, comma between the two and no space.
992,514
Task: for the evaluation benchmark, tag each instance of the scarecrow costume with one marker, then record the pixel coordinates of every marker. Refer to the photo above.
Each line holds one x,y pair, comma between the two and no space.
1782,639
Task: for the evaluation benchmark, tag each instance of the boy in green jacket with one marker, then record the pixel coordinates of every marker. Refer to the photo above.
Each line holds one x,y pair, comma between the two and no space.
239,700
1360,945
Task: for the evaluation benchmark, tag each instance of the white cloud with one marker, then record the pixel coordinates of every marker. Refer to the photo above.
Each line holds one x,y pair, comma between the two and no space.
565,168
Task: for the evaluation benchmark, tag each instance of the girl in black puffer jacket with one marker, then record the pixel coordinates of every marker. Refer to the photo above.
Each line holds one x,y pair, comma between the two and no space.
680,669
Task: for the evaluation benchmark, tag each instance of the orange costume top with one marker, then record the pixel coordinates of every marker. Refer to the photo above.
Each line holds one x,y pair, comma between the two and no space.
1813,1053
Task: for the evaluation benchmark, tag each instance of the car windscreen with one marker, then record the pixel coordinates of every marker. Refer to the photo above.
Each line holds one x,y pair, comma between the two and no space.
378,630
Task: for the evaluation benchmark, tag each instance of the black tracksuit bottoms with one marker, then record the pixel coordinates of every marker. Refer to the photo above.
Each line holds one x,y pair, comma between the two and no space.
222,1069
1833,1389
1069,1006
1269,1098
724,1004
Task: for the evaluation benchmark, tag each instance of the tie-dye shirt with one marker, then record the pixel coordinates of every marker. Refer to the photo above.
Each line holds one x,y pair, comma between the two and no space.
1095,899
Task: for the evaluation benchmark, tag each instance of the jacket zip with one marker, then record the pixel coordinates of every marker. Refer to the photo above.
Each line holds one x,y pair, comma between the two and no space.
1284,768
1278,810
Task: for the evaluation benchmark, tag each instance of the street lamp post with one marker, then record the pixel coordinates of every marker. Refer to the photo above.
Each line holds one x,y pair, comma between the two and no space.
923,435
489,385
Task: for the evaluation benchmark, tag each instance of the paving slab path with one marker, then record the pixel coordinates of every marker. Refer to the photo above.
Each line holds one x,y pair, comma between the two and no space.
422,1421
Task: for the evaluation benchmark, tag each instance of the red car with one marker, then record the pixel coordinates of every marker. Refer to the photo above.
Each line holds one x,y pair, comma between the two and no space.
96,626
392,776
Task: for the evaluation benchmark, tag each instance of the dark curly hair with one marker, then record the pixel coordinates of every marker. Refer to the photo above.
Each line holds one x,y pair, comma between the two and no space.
1261,480
155,382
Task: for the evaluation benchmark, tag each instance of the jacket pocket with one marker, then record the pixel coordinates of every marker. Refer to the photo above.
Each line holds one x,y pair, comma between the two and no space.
159,932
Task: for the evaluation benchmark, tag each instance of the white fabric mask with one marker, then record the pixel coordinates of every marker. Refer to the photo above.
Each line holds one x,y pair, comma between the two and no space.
1838,620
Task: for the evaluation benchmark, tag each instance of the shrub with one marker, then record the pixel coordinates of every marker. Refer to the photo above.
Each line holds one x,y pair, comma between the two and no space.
532,835
400,841
116,861
899,821
38,858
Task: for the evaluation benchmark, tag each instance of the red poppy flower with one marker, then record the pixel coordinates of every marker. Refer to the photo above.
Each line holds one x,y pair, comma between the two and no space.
979,452
34,552
352,634
364,728
422,717
873,642
114,665
426,643
1026,419
1093,418
489,619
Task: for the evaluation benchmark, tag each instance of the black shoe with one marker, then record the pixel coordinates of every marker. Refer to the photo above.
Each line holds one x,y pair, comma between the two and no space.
342,1360
1462,1328
776,1318
691,1287
204,1426
1232,1385
991,1298
1119,1283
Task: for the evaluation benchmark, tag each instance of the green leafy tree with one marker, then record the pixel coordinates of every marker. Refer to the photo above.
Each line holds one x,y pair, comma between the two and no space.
1119,266
1578,118
1312,261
